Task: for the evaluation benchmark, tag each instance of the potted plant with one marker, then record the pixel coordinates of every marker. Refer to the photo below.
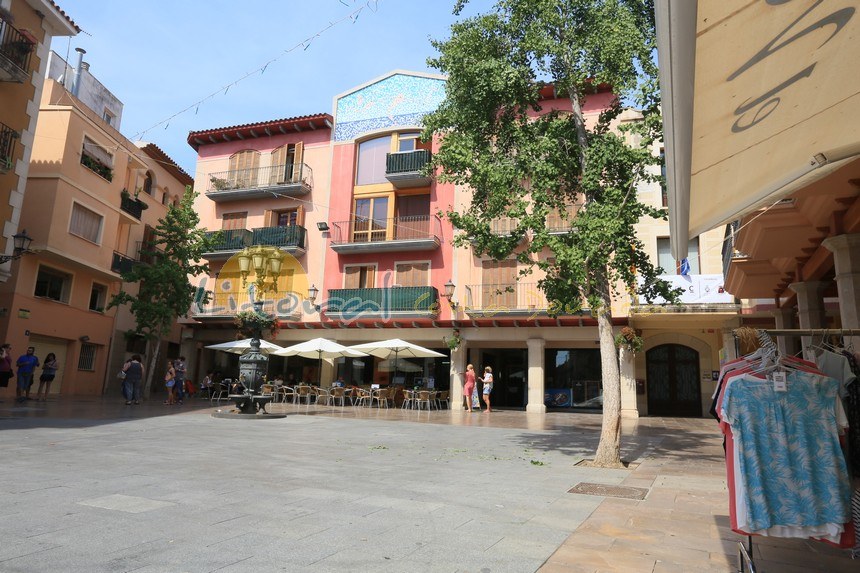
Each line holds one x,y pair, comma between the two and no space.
630,339
251,323
219,184
453,342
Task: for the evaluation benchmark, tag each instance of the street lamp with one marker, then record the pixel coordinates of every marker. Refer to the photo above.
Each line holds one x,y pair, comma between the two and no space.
22,246
265,261
312,296
449,293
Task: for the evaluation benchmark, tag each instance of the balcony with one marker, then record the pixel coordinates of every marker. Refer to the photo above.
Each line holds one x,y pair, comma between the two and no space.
560,221
730,253
7,147
16,48
382,302
414,233
700,293
507,299
132,207
121,263
403,169
290,239
290,180
286,305
148,253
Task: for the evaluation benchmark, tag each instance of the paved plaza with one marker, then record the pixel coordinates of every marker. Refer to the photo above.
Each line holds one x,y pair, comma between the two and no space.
93,486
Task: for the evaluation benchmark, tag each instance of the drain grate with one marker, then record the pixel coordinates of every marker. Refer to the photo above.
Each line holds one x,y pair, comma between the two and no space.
603,490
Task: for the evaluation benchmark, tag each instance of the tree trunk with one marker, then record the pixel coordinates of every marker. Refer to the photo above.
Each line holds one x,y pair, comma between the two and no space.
609,448
153,363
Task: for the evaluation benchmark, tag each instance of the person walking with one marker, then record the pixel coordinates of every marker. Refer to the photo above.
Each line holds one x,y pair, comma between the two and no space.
131,384
49,371
27,364
6,373
488,387
170,383
179,387
469,386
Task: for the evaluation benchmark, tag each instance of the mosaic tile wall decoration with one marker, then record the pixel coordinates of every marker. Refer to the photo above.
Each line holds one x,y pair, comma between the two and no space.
398,100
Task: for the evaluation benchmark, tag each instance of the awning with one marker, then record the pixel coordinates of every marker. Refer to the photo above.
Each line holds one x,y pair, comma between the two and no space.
773,106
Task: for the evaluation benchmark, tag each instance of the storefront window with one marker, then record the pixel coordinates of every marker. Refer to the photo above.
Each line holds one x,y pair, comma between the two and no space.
573,379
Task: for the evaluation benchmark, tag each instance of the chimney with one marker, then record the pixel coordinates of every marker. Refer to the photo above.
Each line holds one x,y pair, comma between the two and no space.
76,79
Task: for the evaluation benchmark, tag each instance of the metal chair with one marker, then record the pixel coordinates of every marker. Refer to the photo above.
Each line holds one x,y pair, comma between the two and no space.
338,394
424,397
408,399
285,392
303,393
442,397
219,391
322,396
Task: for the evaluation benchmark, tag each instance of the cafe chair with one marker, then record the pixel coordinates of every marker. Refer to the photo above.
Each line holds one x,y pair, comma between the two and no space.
323,396
442,397
286,393
219,391
338,394
408,399
303,393
423,398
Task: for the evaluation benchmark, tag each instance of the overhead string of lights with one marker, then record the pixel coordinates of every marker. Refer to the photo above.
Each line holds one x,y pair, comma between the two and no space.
371,5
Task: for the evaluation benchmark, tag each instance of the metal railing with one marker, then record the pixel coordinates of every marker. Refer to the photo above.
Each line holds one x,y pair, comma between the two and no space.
557,221
227,304
291,174
511,298
7,146
15,46
729,251
231,239
121,263
289,236
422,299
147,252
406,161
361,230
133,207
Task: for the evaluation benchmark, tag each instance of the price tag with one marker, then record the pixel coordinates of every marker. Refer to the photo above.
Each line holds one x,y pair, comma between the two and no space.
779,384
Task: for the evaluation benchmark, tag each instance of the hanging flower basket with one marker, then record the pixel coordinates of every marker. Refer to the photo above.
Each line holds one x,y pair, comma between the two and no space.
630,339
251,323
453,342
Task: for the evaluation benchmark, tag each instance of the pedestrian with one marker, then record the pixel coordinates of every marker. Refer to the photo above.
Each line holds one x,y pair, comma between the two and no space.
49,371
469,386
179,387
206,385
5,365
131,384
170,383
27,364
488,386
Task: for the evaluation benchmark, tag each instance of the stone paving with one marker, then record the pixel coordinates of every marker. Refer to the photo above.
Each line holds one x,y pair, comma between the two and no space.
91,485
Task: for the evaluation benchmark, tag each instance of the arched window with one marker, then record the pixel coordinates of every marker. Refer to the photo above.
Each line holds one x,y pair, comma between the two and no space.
148,183
165,196
243,169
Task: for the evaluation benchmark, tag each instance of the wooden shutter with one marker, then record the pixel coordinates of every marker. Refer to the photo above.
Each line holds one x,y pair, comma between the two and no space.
243,168
497,276
351,276
270,218
234,220
300,217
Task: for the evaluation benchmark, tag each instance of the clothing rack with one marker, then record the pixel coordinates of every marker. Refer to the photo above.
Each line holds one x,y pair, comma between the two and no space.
746,562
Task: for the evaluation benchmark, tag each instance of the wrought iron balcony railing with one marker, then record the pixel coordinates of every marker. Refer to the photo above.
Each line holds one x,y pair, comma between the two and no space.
231,239
285,237
404,168
122,263
512,298
16,50
419,232
729,251
147,252
288,180
7,146
379,301
133,207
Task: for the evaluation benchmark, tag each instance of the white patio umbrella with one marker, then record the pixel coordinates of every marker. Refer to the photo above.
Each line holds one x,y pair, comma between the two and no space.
319,348
243,346
395,348
401,365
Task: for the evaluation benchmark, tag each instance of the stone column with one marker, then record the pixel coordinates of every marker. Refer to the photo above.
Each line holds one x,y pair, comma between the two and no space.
810,310
784,318
729,344
536,383
627,368
846,258
458,369
326,372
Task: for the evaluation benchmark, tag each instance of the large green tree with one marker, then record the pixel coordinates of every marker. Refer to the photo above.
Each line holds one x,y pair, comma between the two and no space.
164,292
524,162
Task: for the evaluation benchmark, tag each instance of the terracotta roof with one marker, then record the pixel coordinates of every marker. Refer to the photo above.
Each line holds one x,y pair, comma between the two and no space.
166,162
64,15
261,129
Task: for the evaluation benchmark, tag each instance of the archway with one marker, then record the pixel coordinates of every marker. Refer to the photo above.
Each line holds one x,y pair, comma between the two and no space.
673,381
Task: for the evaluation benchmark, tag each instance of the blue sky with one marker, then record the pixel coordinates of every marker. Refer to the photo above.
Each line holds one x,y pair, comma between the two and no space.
159,57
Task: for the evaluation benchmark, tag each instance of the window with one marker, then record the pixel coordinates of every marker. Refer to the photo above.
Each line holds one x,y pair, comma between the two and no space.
135,344
371,220
287,218
108,117
97,159
147,183
413,217
412,274
286,164
165,196
234,220
53,284
87,359
670,266
498,284
407,141
371,161
85,223
98,295
359,276
243,169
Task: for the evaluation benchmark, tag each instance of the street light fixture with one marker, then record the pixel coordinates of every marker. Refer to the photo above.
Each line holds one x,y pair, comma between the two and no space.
22,246
265,261
449,293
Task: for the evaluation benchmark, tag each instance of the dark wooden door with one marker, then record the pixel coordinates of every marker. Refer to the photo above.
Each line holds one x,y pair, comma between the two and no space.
674,388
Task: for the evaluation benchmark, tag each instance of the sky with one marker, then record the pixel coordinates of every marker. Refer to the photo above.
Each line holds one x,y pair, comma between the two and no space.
162,56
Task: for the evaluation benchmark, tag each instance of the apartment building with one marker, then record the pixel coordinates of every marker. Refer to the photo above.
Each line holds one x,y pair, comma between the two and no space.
26,29
92,197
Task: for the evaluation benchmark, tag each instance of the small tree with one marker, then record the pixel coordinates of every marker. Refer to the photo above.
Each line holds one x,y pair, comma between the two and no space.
164,290
526,163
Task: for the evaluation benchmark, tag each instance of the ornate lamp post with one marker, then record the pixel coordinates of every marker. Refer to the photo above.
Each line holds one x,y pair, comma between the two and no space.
253,365
22,246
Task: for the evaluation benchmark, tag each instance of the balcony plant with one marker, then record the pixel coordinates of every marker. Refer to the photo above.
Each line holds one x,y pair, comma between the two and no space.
220,184
251,323
453,342
97,167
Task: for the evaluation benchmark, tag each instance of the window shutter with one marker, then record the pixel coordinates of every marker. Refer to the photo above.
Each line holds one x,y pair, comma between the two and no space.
300,217
299,156
270,219
351,275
